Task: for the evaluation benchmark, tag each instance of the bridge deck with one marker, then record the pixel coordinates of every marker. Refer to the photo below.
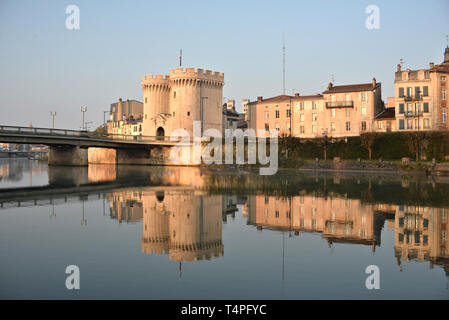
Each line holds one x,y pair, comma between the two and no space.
82,139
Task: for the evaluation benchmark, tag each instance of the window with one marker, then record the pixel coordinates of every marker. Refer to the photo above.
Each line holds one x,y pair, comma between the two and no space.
302,129
363,111
348,126
267,127
426,107
348,97
409,92
188,113
315,129
301,117
401,92
348,112
278,127
380,125
443,93
314,106
443,78
277,114
426,124
332,97
287,125
401,108
314,117
364,96
417,92
363,125
301,106
401,124
333,113
409,124
288,113
425,91
267,114
174,94
443,115
332,126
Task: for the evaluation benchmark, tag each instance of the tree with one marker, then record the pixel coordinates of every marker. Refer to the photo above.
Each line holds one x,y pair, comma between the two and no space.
99,132
415,139
368,139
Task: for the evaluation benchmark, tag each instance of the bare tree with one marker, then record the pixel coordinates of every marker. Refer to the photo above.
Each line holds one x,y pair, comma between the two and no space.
368,139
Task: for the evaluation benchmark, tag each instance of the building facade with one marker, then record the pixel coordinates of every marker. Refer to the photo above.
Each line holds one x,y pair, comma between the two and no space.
124,110
421,97
341,111
176,100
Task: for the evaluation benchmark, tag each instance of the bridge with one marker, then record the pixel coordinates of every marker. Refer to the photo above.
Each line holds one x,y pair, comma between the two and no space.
70,147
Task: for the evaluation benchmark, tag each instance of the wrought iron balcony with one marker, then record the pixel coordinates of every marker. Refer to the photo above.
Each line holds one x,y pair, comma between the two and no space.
411,114
413,98
340,104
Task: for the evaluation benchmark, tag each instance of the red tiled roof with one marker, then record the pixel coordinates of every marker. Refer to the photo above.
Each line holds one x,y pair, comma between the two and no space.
352,88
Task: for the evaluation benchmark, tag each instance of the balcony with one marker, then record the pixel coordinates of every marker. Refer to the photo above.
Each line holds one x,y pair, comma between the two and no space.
340,104
413,98
411,114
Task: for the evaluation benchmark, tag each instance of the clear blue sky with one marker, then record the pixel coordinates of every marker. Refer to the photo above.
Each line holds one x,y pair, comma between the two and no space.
46,67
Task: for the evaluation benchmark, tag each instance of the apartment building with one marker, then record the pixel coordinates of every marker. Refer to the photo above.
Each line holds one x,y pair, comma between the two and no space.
421,97
351,109
340,111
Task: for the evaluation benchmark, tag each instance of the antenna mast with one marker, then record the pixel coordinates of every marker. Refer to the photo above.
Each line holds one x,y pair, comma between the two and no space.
283,63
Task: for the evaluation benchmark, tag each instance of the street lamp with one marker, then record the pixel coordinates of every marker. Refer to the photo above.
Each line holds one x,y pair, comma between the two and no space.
83,110
53,115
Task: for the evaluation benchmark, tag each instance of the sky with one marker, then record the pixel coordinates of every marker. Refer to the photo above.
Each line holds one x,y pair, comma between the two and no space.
46,67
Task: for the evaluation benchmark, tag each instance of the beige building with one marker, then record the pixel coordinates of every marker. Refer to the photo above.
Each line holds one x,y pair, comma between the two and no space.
175,101
351,109
421,97
245,108
341,111
126,110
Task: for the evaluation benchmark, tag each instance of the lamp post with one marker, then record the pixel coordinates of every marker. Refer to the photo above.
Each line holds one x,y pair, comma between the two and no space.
53,115
83,110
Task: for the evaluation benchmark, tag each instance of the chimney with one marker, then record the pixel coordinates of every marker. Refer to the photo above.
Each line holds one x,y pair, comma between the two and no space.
296,95
259,99
432,65
330,86
399,67
374,82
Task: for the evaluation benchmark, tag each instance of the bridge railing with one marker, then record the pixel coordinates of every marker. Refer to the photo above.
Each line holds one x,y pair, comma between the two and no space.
47,131
135,138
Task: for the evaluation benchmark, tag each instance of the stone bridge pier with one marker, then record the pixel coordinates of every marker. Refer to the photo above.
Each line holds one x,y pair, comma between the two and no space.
68,156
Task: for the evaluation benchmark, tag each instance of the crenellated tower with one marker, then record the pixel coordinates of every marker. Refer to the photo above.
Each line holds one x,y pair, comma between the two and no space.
176,101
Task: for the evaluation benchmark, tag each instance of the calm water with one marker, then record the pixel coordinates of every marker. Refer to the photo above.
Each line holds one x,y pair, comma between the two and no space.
186,233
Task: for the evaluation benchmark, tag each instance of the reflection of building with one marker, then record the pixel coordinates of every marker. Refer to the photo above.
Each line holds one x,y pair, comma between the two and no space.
421,234
126,206
182,223
337,219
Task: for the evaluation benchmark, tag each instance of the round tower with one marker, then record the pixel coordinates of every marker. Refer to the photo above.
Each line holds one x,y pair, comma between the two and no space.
156,92
155,238
196,95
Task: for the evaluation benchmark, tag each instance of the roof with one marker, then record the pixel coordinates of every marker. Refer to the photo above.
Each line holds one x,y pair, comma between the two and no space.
388,113
284,98
352,88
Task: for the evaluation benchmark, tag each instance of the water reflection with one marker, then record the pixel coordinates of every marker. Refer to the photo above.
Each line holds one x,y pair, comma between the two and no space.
183,211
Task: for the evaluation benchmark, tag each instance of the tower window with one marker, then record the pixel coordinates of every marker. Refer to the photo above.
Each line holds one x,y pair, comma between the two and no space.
188,113
174,94
146,100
